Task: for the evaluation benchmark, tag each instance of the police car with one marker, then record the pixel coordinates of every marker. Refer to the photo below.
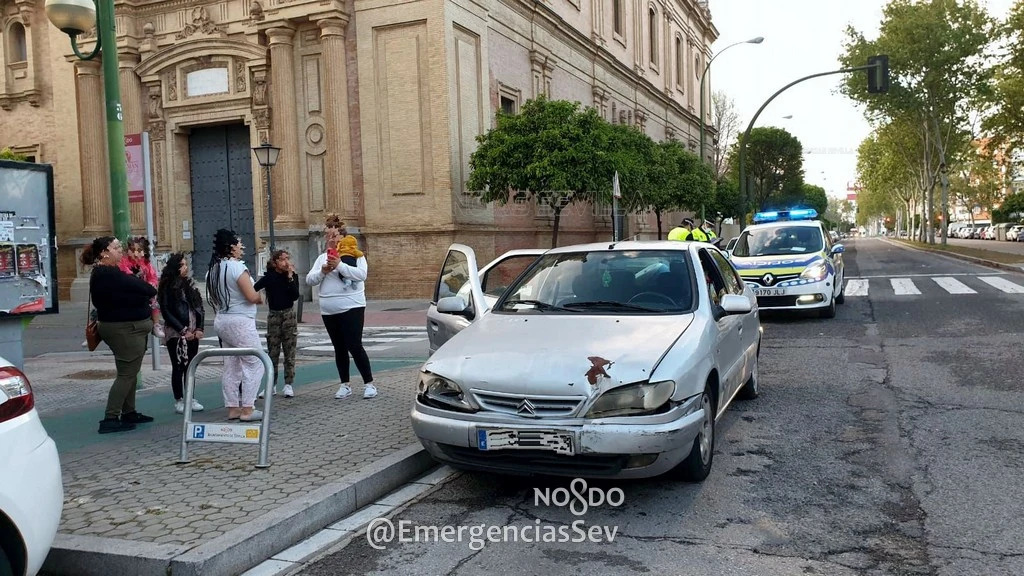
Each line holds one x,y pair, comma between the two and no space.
791,262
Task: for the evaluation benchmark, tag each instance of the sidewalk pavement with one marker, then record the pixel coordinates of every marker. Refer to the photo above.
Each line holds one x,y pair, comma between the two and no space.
130,508
1011,266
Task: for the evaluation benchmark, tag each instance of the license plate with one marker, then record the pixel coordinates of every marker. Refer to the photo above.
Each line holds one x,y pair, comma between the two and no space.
770,292
554,441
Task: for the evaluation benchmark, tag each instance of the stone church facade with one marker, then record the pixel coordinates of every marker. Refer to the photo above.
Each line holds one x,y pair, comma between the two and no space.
375,105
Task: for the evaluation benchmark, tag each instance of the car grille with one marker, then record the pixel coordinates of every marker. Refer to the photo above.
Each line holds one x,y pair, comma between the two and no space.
777,279
522,405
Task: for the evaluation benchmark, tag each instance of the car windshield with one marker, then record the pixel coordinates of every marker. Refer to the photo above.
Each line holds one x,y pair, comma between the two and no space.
604,282
779,240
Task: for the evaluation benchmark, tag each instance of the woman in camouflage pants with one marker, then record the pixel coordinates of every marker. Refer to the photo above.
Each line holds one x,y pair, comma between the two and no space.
282,286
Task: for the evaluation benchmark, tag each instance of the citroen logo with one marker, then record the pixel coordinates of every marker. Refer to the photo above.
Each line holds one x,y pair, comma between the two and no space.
768,279
526,408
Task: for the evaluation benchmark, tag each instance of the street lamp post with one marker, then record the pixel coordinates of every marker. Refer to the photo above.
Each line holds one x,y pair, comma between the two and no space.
74,17
267,155
703,74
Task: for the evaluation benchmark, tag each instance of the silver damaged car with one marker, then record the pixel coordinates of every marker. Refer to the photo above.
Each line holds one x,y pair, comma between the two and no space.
610,360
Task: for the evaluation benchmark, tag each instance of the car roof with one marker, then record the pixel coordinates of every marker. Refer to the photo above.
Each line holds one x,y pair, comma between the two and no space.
624,245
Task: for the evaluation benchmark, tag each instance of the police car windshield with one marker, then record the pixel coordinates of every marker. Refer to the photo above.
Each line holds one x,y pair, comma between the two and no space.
779,241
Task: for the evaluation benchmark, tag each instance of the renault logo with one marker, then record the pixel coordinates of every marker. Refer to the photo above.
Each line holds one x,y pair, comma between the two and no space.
526,408
768,279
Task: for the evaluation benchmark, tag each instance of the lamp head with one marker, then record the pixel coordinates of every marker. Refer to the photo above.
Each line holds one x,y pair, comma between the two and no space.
757,40
72,17
266,154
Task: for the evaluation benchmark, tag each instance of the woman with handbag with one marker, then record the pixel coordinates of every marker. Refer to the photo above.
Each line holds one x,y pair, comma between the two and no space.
124,321
181,305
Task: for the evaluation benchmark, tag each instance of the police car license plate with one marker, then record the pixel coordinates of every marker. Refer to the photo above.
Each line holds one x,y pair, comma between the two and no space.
770,292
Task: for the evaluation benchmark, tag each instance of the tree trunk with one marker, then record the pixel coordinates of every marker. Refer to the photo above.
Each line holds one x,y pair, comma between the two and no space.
657,214
554,232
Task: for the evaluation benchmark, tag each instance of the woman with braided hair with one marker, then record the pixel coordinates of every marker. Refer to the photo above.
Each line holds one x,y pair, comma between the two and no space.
230,290
181,305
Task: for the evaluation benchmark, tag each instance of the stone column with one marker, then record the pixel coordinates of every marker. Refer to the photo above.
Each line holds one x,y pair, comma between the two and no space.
131,105
92,142
287,186
340,198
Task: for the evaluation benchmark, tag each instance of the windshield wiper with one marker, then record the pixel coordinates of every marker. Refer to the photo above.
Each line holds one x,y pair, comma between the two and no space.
537,303
610,304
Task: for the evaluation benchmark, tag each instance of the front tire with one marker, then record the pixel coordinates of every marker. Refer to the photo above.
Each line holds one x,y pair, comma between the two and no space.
841,298
829,312
697,465
751,388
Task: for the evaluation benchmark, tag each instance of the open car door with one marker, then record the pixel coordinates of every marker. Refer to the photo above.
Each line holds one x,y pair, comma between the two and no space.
458,300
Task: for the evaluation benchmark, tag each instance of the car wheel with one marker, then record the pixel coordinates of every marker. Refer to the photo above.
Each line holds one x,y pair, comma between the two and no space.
829,312
5,564
841,298
750,389
697,465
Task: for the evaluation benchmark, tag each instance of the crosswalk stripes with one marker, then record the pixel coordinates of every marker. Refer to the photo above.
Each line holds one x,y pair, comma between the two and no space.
911,285
1002,284
903,286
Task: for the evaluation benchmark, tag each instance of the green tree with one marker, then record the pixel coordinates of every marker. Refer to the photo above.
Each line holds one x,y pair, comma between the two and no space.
8,154
774,165
727,203
813,196
890,172
977,181
937,72
1006,119
551,150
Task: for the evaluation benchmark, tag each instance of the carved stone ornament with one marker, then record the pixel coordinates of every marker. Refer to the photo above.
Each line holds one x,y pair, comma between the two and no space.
172,85
157,129
240,74
26,8
256,11
154,101
262,117
200,23
259,90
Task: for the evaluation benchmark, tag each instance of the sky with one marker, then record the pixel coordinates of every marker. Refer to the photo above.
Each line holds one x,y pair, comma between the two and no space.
801,37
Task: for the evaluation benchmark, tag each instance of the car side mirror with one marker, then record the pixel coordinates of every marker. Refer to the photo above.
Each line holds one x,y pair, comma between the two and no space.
727,253
454,305
735,304
838,249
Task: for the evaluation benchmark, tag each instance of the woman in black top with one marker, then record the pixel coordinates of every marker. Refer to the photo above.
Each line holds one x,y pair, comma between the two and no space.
282,285
181,305
125,320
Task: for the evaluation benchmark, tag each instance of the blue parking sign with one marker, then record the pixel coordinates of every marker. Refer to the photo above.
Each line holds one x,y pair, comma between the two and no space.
199,431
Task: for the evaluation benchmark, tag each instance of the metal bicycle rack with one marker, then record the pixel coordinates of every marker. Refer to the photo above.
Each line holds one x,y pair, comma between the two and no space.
241,433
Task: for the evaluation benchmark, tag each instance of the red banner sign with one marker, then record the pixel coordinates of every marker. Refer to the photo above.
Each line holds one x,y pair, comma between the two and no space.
133,158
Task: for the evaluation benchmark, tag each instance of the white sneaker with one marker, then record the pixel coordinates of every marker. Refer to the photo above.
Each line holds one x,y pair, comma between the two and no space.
370,391
179,407
343,392
196,406
263,393
288,392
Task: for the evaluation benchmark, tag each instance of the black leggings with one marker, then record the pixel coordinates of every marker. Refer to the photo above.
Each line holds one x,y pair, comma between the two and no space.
180,366
346,332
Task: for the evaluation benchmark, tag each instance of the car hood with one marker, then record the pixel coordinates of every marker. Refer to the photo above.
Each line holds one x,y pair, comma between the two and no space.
553,354
786,263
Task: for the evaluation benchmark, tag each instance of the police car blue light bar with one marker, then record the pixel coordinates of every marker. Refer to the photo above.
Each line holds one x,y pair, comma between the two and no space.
781,215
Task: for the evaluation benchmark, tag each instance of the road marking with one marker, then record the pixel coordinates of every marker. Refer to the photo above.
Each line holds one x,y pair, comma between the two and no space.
1003,284
953,286
856,287
904,286
929,275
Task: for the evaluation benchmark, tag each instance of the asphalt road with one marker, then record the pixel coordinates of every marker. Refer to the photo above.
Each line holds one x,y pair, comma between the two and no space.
885,441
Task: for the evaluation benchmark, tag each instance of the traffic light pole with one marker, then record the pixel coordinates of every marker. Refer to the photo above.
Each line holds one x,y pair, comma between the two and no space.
106,40
747,195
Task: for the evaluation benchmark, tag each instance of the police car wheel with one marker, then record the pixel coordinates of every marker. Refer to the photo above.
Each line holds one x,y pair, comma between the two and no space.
841,298
830,311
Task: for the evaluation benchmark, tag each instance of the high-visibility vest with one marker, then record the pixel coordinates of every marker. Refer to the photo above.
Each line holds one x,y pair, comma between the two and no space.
711,234
679,233
698,235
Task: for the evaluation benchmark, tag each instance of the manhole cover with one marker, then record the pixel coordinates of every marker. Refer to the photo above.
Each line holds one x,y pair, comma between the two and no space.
394,309
92,375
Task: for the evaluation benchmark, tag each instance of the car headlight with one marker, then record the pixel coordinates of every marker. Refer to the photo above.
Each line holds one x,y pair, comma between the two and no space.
633,400
439,390
817,271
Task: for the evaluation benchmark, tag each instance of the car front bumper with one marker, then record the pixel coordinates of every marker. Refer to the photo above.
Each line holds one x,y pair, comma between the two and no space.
795,296
627,447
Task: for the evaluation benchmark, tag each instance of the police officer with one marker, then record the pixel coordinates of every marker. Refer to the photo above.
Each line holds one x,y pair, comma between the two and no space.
709,231
682,232
698,235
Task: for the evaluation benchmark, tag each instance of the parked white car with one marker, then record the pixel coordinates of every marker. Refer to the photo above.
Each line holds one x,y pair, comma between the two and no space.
611,359
31,490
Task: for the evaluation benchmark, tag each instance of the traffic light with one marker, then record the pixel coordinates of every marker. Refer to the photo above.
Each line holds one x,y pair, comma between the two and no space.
878,76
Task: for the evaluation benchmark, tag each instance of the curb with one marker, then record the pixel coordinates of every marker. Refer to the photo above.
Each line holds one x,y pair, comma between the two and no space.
964,257
248,545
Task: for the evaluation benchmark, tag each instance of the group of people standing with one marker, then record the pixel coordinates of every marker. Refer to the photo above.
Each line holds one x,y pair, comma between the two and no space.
688,231
130,300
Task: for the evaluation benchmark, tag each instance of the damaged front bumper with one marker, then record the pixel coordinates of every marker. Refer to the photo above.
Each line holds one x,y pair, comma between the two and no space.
622,447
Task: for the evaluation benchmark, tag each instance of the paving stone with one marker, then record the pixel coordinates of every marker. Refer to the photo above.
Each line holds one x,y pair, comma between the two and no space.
138,483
